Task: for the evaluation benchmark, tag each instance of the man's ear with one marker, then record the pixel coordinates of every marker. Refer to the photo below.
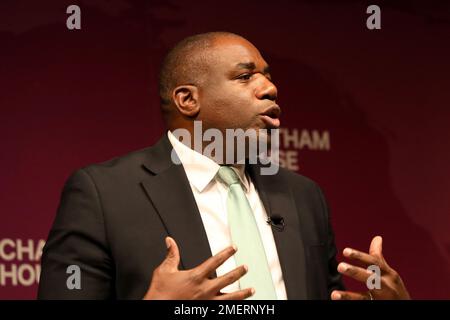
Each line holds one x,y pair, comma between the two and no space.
186,100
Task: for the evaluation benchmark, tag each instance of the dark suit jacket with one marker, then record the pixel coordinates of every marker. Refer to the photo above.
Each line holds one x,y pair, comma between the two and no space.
113,218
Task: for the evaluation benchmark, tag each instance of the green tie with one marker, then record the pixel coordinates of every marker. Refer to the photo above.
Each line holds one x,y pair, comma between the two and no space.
245,235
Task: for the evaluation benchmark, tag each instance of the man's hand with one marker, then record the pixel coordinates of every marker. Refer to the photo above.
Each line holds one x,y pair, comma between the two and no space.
169,283
392,287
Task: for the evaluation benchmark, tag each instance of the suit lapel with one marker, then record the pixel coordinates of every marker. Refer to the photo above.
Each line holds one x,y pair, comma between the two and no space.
170,193
277,199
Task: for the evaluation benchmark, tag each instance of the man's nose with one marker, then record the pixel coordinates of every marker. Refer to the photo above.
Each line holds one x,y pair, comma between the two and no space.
266,90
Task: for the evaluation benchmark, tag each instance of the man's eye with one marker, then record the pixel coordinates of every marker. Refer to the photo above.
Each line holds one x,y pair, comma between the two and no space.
245,76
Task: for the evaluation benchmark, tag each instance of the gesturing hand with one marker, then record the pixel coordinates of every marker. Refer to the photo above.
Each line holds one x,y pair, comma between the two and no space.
392,287
170,283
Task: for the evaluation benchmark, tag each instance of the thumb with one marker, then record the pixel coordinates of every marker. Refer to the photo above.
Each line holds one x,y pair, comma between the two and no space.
172,259
376,246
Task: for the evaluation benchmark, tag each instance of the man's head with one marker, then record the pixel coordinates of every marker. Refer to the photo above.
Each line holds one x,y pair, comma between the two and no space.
221,79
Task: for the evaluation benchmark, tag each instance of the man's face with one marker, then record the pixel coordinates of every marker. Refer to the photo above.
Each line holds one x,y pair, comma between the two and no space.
238,91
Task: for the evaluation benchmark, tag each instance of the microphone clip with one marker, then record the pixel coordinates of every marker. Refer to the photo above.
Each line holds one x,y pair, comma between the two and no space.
277,222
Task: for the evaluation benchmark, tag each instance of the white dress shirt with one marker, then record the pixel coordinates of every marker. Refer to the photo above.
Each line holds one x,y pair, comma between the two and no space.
211,197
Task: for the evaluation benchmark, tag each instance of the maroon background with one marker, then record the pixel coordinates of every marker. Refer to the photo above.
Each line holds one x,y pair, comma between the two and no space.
71,98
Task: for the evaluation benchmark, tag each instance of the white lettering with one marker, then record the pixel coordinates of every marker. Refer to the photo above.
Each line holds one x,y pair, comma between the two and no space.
374,20
74,20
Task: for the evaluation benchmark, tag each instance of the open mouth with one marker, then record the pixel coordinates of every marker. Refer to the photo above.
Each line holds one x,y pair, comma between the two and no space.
271,117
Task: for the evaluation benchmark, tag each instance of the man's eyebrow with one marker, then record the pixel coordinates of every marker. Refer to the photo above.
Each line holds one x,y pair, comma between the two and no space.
252,66
246,65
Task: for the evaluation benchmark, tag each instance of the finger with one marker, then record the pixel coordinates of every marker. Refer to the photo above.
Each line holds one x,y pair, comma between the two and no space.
362,257
228,278
210,265
238,295
357,273
376,246
173,255
349,295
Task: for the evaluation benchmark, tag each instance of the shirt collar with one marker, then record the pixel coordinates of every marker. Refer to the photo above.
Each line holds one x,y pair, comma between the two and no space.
201,170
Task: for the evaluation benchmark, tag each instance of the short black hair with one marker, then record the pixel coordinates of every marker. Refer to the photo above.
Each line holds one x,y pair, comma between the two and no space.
186,63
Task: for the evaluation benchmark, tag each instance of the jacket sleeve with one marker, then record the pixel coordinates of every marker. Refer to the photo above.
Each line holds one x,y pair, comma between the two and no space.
77,238
334,280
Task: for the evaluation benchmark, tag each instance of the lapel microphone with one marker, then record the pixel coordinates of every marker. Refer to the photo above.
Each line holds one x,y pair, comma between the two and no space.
276,221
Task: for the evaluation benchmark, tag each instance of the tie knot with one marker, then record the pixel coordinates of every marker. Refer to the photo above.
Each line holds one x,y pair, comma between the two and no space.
228,175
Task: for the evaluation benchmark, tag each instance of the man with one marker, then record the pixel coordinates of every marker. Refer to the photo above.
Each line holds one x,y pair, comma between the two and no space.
114,216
